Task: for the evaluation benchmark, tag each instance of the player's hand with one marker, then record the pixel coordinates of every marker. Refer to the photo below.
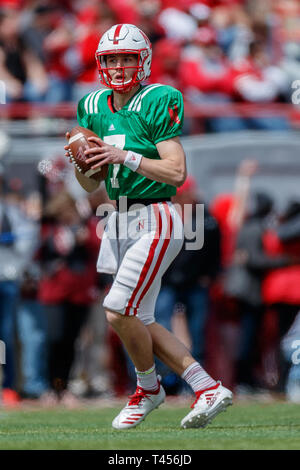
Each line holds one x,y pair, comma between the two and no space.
104,153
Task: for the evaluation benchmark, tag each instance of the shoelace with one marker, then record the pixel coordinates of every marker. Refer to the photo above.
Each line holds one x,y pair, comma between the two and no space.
198,394
136,398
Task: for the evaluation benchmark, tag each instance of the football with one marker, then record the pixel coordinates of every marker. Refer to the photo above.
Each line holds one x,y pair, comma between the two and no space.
78,143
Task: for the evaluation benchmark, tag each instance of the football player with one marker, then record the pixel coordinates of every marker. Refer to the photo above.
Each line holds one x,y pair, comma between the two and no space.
138,128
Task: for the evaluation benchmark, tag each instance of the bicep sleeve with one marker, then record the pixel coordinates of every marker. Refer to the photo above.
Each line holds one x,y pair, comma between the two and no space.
165,119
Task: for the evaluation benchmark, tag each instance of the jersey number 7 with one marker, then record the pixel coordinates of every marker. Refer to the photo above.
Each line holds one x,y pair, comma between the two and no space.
118,140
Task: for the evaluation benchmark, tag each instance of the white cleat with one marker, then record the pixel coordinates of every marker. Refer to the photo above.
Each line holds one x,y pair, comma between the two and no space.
208,404
138,407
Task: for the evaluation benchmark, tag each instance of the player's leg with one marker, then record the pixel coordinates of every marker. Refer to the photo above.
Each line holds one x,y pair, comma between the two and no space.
169,349
133,297
211,396
140,263
135,337
138,343
175,355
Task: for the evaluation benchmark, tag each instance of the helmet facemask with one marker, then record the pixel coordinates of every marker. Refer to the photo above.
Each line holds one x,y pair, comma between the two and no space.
124,85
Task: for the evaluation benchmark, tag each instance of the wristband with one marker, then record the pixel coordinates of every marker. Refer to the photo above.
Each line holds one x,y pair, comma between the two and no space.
133,160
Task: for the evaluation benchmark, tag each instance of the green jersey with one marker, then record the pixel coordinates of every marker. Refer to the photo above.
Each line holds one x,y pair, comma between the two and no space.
153,114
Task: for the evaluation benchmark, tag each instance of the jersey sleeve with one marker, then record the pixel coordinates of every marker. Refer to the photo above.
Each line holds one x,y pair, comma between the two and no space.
165,116
83,118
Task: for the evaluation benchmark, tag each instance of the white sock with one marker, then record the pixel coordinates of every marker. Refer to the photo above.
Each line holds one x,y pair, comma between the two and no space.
197,378
147,379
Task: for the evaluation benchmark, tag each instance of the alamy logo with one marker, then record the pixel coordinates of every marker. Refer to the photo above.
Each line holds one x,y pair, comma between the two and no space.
296,94
2,352
192,216
296,353
2,92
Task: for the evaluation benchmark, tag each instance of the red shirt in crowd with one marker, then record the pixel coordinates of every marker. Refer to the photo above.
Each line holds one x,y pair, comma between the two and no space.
281,285
61,281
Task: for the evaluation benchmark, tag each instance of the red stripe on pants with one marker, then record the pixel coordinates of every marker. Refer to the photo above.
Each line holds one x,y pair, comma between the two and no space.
149,259
160,256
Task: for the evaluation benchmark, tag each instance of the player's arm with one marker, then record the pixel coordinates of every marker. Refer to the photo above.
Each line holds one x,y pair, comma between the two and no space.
170,169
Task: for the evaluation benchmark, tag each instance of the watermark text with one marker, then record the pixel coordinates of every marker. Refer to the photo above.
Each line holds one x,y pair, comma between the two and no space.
2,353
164,221
296,353
2,92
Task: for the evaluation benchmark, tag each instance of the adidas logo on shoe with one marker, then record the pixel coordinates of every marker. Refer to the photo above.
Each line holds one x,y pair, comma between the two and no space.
208,404
210,399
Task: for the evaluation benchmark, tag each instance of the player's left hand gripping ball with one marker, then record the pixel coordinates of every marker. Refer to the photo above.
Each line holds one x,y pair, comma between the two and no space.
77,144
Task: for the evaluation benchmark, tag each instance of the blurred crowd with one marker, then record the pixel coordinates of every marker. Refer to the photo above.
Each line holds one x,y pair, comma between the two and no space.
214,51
49,243
234,303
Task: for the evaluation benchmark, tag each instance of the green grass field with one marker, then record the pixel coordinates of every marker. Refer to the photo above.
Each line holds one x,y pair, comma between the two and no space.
243,426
